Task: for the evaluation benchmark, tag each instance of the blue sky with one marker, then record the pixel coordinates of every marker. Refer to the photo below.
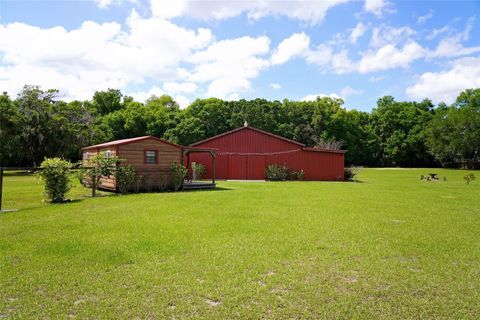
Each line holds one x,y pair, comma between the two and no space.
356,50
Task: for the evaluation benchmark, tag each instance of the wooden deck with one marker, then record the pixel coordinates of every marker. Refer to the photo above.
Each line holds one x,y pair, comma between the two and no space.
192,185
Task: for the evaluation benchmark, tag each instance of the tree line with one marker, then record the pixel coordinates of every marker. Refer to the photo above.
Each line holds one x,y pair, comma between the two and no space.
38,124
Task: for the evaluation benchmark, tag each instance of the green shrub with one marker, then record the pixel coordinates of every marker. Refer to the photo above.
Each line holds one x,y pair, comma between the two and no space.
297,175
198,170
126,178
350,174
179,172
469,178
55,174
97,167
138,184
277,172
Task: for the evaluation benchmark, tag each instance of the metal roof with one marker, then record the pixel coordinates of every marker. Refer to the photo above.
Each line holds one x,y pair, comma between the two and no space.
127,141
250,128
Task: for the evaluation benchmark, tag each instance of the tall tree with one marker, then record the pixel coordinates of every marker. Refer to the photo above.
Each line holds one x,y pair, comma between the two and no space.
399,127
9,131
453,135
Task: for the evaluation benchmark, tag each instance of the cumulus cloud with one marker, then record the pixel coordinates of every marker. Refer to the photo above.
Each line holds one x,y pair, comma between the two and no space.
294,46
96,56
349,91
230,64
375,6
275,86
313,97
390,56
424,18
385,34
451,45
175,87
155,91
357,32
142,96
344,94
445,85
107,3
312,12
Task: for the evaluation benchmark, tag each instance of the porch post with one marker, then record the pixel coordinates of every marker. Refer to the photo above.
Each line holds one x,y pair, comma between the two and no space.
213,166
189,173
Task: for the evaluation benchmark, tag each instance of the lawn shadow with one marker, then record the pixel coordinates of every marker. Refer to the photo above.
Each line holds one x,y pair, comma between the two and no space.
209,190
18,173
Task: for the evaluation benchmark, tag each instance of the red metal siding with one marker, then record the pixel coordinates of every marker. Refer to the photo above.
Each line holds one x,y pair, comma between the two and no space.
244,154
249,141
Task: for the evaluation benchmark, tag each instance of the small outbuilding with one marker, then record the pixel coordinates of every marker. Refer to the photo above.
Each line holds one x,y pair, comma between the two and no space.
151,157
245,152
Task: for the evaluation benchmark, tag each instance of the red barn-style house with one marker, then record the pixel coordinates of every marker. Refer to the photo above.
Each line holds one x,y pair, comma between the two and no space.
245,152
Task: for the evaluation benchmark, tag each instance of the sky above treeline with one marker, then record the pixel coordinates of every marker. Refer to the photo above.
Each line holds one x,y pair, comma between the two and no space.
356,50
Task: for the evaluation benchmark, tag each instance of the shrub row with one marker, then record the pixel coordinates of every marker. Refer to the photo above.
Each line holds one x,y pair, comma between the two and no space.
56,175
276,172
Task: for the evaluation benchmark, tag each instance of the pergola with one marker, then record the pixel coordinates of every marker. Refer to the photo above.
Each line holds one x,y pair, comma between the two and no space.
190,184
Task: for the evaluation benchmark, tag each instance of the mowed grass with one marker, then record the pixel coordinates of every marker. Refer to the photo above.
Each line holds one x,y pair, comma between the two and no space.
390,246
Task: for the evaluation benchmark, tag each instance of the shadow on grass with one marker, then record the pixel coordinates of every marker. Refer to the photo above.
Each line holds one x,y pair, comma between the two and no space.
18,173
208,190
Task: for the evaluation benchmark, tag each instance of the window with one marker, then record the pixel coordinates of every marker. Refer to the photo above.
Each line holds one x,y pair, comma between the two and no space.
108,154
150,156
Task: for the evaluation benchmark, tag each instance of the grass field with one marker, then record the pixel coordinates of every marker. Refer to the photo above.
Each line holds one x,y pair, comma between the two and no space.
390,246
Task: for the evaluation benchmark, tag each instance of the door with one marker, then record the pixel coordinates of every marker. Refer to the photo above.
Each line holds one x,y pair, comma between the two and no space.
237,167
255,167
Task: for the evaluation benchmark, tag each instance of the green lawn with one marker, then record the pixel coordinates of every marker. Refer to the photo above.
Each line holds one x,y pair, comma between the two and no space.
390,246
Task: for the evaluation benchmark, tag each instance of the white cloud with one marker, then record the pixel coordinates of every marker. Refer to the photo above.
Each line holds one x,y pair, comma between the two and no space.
375,6
385,34
175,87
320,56
142,96
446,85
275,86
436,32
233,97
294,46
313,97
357,32
341,63
312,12
155,91
424,18
230,64
107,3
344,94
182,101
451,46
96,56
390,56
349,91
376,78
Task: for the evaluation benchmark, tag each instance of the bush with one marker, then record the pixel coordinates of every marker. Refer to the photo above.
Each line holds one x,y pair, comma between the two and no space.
198,170
350,174
179,172
297,175
97,167
138,184
469,178
277,172
55,174
126,178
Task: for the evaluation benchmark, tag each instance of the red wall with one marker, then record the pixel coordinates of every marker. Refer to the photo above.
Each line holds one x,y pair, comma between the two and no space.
244,154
